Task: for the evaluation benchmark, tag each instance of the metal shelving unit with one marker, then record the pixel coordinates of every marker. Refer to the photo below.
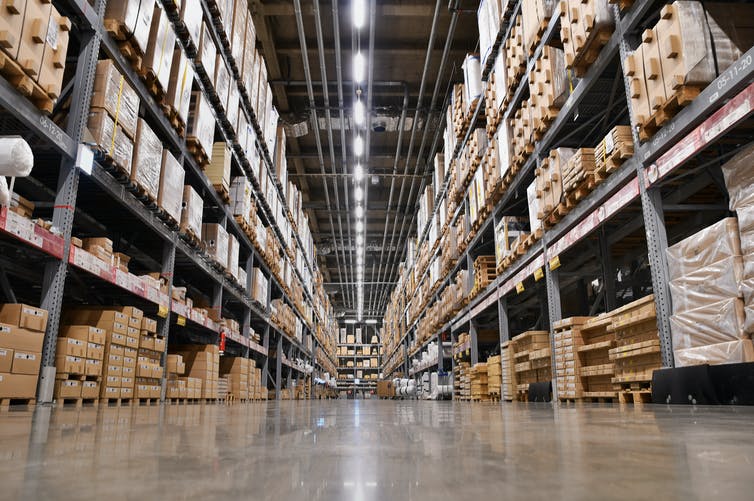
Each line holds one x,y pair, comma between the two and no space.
631,198
88,200
367,332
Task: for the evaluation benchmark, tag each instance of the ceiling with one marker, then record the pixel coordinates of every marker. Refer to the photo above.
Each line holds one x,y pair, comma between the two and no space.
402,41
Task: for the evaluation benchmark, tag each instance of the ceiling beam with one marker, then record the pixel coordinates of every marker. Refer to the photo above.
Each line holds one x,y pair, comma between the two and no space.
383,10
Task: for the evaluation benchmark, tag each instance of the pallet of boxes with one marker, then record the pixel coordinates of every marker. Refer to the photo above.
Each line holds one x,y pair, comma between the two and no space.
202,363
531,356
22,329
149,370
237,371
79,364
478,382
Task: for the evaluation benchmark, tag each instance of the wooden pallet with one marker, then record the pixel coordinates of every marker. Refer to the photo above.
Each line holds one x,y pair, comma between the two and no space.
124,38
222,190
590,51
683,96
17,404
636,397
174,118
191,238
167,218
25,85
152,83
79,402
115,402
197,151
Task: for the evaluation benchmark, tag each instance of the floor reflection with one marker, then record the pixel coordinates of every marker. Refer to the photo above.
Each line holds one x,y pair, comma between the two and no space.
364,450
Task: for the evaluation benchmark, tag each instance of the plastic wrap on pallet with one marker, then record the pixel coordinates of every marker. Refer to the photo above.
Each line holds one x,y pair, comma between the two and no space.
191,15
159,54
111,139
233,107
206,54
708,246
172,175
272,122
145,171
216,239
222,80
240,195
488,20
711,284
249,46
135,17
201,122
232,259
113,93
731,352
472,80
738,173
693,47
238,29
181,81
719,322
191,211
534,208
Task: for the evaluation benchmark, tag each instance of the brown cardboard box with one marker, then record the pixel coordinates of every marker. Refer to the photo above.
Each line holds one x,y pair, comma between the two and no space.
170,197
134,17
158,57
65,388
70,346
95,351
149,324
216,239
21,339
26,362
175,364
653,69
84,333
129,375
6,359
112,359
33,34
159,344
111,139
55,49
147,342
11,24
113,93
93,367
110,392
127,392
89,389
113,370
132,341
69,365
147,160
112,381
18,386
25,316
191,213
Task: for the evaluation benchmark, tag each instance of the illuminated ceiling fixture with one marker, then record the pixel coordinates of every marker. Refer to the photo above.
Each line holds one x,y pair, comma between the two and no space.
359,67
359,211
359,240
359,13
359,113
359,226
358,146
358,172
358,194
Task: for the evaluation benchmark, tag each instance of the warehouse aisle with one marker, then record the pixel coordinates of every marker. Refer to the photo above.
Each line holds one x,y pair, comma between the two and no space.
355,450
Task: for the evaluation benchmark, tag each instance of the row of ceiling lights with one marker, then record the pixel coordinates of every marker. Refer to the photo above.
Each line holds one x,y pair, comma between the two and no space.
359,14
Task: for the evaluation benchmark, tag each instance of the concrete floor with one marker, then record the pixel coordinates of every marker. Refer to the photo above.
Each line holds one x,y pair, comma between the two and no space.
381,450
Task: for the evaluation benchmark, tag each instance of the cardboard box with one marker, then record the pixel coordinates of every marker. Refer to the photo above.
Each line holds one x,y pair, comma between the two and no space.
17,338
69,365
32,42
95,351
109,392
191,212
93,367
206,55
218,171
65,388
158,56
216,239
84,333
147,160
55,49
25,316
89,389
112,140
175,364
147,342
11,24
26,362
179,87
149,324
115,95
134,17
6,359
201,123
69,346
159,344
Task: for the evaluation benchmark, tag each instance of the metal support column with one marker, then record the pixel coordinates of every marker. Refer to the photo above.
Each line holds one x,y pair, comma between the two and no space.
555,313
266,365
503,324
53,284
473,341
608,271
163,322
439,352
246,327
278,366
657,244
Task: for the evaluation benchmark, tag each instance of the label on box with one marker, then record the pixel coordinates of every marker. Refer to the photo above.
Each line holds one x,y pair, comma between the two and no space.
25,356
181,320
52,33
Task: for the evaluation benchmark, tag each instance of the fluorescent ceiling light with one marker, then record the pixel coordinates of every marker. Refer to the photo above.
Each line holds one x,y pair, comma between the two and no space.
350,321
358,194
358,172
359,67
358,13
371,321
359,240
359,211
359,114
359,226
358,146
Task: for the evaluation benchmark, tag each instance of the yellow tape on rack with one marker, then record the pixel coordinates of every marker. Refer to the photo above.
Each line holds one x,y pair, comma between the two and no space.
181,320
117,116
162,311
538,274
520,287
555,263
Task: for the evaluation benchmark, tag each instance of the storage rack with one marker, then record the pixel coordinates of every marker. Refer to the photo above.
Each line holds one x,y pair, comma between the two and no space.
643,192
367,332
97,202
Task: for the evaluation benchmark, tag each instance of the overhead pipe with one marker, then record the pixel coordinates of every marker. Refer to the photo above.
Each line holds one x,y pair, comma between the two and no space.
420,98
326,96
315,121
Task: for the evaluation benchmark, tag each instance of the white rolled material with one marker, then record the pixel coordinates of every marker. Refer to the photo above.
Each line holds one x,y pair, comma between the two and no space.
4,192
16,157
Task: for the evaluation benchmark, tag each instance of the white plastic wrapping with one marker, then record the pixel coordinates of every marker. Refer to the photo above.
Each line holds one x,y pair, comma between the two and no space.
711,284
207,52
4,192
16,157
159,54
192,209
738,173
181,81
201,122
171,186
715,354
531,195
708,246
714,323
472,80
216,239
113,93
111,139
191,15
147,160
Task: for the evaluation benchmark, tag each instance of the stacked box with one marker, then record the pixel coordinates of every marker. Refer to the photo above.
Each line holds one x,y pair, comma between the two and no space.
637,352
236,369
170,195
242,203
494,375
191,212
708,321
191,15
179,87
531,357
585,26
233,249
79,361
131,19
259,286
595,338
201,126
206,54
202,362
549,87
51,71
567,340
147,160
508,375
149,370
215,238
22,330
535,16
218,171
158,57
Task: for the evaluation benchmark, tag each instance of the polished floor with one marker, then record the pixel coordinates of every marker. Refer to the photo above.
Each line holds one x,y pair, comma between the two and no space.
377,450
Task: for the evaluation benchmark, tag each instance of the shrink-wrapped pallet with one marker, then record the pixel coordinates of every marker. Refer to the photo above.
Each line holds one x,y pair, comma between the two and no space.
710,284
181,81
111,139
132,19
172,175
240,196
472,81
249,46
113,93
191,212
507,231
159,54
536,15
215,238
488,20
232,108
731,352
233,256
201,123
191,15
206,54
534,207
712,244
738,173
222,80
238,30
145,171
719,322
